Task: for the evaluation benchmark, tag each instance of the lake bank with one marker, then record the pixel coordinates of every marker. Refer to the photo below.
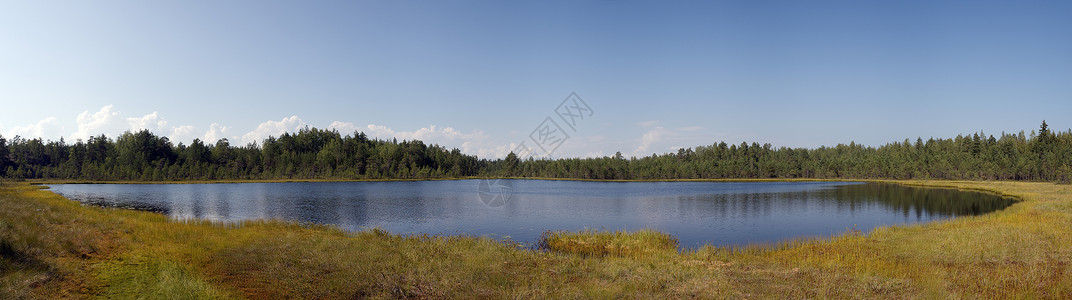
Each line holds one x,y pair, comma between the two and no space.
55,247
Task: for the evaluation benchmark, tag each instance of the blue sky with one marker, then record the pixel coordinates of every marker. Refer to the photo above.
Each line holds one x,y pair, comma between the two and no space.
482,75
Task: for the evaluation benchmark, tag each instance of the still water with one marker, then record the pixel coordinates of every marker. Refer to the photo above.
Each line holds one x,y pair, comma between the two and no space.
697,213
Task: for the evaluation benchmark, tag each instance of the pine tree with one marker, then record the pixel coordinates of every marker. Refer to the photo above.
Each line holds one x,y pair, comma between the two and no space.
511,164
4,159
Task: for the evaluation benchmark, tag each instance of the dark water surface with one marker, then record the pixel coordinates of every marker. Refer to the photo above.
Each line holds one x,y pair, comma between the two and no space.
697,213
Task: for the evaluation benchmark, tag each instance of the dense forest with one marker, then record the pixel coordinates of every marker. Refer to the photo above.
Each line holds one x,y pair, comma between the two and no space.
314,153
310,153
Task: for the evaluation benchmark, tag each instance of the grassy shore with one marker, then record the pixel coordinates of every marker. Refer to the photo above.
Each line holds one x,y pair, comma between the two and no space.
52,247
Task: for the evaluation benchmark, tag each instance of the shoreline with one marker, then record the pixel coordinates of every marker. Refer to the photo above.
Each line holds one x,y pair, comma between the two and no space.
119,252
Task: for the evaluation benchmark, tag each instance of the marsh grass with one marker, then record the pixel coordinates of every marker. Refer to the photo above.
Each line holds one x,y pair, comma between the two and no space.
600,243
51,247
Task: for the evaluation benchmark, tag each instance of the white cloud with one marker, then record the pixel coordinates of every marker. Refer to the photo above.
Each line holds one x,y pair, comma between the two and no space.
430,133
591,146
653,136
215,133
659,137
595,154
45,128
273,128
475,142
672,139
182,134
112,123
344,128
103,121
153,122
487,150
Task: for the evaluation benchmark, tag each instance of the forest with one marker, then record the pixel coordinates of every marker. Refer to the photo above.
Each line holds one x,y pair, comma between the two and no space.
313,153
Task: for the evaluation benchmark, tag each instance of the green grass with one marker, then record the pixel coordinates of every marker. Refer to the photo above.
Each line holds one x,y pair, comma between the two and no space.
151,278
51,247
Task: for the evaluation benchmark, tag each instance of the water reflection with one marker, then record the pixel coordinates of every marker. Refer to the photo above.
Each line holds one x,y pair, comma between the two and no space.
721,213
918,202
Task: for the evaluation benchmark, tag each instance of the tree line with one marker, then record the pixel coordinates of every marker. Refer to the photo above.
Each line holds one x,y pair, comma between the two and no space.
322,154
307,154
1044,155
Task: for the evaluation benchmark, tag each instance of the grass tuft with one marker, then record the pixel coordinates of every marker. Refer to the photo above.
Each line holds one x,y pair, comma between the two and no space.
601,243
152,278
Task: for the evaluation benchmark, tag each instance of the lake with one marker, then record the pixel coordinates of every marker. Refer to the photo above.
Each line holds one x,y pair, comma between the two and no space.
697,213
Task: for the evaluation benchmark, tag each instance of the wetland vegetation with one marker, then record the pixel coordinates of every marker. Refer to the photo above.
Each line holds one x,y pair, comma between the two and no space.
54,247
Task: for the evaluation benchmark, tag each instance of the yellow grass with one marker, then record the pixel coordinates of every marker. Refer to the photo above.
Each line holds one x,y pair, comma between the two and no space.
53,247
603,243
